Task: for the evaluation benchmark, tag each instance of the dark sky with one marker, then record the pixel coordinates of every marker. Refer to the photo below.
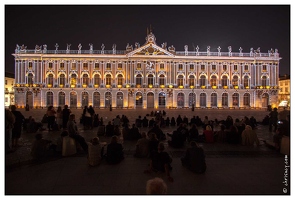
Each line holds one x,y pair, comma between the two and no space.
219,25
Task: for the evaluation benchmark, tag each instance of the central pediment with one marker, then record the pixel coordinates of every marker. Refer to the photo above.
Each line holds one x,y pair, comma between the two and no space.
150,49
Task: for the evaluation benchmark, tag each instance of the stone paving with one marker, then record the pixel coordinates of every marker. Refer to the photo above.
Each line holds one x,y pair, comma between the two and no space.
251,170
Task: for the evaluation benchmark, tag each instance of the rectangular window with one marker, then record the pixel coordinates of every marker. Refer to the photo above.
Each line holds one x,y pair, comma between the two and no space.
180,67
138,66
191,67
73,65
50,65
120,66
264,68
5,82
85,66
235,67
246,67
62,65
203,67
108,66
96,66
30,65
224,67
286,90
213,67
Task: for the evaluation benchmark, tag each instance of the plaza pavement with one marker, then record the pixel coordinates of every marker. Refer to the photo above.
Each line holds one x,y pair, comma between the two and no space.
231,169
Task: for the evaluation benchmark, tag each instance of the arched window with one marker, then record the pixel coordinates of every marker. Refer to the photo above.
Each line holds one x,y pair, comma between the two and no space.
49,99
108,79
213,100
97,80
246,99
203,80
180,80
108,99
235,99
138,80
213,81
203,100
120,99
150,79
30,78
85,79
224,101
73,79
224,81
264,81
235,81
162,79
120,79
62,80
246,81
50,79
191,81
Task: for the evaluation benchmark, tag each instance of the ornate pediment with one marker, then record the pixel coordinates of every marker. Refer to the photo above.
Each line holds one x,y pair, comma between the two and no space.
150,49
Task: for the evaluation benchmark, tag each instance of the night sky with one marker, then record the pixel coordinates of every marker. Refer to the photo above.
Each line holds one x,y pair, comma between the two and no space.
237,26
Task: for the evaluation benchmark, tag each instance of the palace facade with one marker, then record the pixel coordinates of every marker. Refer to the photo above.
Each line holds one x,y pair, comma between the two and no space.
147,76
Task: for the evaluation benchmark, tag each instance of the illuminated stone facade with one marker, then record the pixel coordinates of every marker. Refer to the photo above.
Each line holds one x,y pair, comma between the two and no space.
147,76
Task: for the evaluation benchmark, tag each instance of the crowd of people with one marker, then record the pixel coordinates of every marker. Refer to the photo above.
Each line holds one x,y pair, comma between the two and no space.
150,144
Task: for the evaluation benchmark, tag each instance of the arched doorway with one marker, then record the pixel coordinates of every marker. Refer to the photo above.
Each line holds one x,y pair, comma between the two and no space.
49,99
138,100
85,99
96,100
236,99
162,100
203,100
150,100
29,99
180,100
73,99
191,99
120,100
265,100
108,99
61,99
213,100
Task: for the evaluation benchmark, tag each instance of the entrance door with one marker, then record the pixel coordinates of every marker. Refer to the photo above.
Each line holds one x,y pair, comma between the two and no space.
265,100
150,100
120,100
29,99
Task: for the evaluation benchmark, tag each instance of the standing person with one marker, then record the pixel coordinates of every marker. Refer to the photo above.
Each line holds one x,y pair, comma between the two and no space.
17,127
9,121
65,116
92,113
59,117
273,119
51,117
73,133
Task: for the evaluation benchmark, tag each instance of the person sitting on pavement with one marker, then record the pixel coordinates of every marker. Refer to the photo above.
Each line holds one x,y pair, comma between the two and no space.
209,135
177,139
194,158
134,133
173,122
73,133
94,152
249,136
41,148
138,121
115,152
221,135
110,129
193,133
153,143
156,186
142,146
160,161
158,131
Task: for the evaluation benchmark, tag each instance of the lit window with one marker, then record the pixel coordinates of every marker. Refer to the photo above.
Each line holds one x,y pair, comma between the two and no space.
74,66
161,66
138,80
162,79
235,67
180,67
85,66
213,67
180,80
263,81
62,65
203,67
150,79
50,65
246,67
264,68
191,80
203,80
224,67
139,66
30,65
96,66
213,81
120,66
108,79
235,81
120,79
108,66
